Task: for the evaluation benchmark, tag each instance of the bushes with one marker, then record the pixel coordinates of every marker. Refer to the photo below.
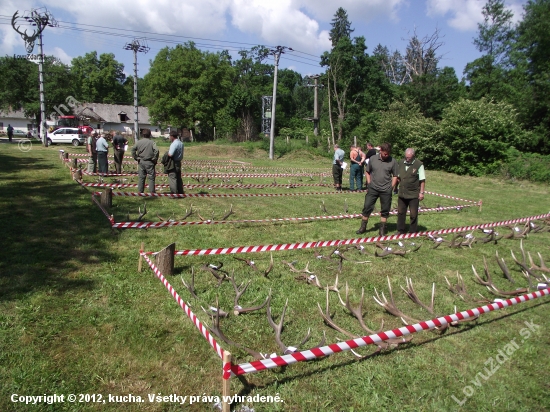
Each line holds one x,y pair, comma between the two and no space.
526,166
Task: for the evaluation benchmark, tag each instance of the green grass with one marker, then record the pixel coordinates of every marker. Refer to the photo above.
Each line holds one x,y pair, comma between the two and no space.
77,317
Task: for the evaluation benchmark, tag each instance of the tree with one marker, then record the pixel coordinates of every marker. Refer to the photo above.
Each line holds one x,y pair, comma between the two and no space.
20,90
488,74
99,80
186,87
341,26
477,134
433,92
421,54
532,63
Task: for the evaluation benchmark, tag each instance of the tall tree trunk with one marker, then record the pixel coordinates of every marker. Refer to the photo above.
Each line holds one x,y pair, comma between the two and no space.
330,110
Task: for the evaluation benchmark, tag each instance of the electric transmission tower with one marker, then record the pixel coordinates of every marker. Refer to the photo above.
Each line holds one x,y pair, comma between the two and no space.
136,46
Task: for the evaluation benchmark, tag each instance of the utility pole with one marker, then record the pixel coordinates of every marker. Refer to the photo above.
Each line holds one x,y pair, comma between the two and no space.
315,104
136,47
277,55
39,19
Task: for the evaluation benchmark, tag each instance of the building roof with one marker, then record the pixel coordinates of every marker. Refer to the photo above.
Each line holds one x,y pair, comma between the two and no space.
16,114
109,113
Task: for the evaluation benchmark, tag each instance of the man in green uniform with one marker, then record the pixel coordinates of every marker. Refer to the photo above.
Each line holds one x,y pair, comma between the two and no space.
381,172
146,153
411,181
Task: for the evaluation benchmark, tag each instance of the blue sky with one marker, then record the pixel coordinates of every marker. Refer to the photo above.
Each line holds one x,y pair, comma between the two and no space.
303,25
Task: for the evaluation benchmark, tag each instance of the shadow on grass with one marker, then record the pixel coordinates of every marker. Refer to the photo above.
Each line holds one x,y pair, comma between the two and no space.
50,229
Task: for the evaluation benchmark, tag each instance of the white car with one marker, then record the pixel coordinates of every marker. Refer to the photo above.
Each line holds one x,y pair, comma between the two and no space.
70,135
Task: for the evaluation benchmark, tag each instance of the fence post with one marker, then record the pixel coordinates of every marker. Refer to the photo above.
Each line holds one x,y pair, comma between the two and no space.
142,249
164,260
226,389
107,197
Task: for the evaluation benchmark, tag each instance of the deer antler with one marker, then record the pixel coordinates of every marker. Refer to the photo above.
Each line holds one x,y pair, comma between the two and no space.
389,251
504,268
228,213
239,291
411,293
215,329
141,214
187,214
460,290
191,287
492,288
358,312
328,320
216,271
278,328
248,262
390,305
542,266
268,270
314,279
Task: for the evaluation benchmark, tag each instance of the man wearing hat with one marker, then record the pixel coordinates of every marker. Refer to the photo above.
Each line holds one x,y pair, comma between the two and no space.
172,163
92,151
146,153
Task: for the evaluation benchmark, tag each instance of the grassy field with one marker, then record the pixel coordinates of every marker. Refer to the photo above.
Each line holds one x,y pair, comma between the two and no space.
76,317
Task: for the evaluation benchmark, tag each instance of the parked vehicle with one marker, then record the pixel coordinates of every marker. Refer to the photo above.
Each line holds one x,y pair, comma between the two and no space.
70,135
72,122
20,133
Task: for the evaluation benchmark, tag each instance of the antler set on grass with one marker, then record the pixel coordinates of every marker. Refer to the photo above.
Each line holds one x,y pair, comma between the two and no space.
401,251
358,313
310,277
253,265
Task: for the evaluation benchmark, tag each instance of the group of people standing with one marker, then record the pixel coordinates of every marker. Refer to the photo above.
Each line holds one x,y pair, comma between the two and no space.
384,176
145,152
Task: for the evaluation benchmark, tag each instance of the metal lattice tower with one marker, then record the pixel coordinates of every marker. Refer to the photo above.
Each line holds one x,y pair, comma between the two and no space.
136,46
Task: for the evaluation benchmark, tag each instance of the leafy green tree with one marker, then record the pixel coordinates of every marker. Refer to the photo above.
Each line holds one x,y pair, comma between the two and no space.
20,90
356,84
186,87
532,64
99,80
433,92
403,125
488,75
477,134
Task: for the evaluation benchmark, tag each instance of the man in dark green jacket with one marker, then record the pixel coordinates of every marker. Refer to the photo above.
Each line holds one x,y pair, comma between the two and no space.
146,153
411,182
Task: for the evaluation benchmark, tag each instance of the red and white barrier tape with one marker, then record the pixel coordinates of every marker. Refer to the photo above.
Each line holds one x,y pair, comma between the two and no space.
451,197
116,185
212,175
156,225
103,210
314,353
328,243
174,196
196,186
185,307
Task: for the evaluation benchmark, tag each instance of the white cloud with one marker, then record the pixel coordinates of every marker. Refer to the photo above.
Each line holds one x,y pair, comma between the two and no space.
61,55
464,15
360,10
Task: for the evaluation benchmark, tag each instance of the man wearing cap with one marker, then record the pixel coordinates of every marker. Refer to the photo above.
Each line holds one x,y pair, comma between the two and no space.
172,163
102,147
146,153
92,151
119,142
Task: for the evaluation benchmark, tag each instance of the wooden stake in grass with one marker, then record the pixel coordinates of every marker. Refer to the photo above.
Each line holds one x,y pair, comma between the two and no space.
107,197
226,385
142,249
164,260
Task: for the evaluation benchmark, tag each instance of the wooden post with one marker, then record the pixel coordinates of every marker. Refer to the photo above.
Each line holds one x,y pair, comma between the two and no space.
307,139
480,204
355,140
75,163
107,197
66,155
164,260
141,257
77,175
226,389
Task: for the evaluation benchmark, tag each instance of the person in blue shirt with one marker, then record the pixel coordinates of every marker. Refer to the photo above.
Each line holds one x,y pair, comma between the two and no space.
337,169
172,163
